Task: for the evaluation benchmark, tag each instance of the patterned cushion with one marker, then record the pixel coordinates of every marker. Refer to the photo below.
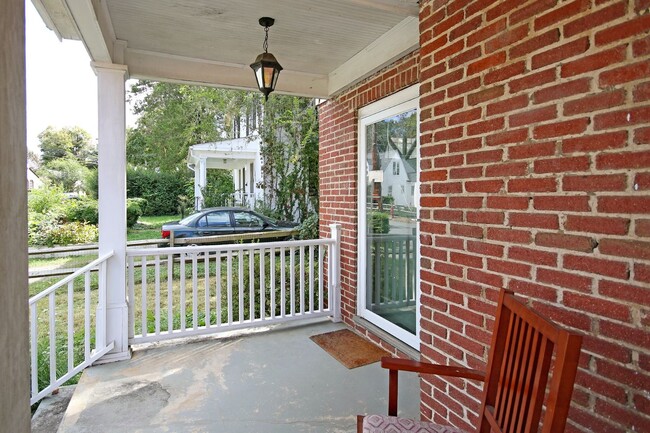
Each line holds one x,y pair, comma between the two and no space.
393,424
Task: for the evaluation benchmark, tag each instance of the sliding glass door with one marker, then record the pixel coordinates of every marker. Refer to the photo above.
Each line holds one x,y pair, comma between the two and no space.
388,212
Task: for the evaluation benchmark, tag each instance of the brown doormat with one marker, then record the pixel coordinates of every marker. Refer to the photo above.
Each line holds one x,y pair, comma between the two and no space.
348,348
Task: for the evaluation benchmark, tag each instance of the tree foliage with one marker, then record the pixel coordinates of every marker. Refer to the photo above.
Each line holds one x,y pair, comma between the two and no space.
67,143
161,190
68,173
174,117
290,156
67,156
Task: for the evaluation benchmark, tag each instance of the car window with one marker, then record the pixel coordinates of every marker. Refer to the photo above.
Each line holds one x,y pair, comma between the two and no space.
247,219
218,219
188,219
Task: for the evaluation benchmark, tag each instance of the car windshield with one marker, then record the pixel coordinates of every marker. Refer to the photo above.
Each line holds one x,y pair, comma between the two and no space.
185,221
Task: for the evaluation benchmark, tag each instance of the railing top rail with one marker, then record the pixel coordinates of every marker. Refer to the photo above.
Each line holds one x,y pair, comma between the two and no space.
71,277
227,247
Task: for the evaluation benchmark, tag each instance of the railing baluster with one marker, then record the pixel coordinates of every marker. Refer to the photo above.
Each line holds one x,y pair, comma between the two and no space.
283,283
251,284
241,286
143,294
52,323
229,282
131,285
87,316
218,294
302,280
402,273
311,278
100,320
195,291
272,284
182,294
262,284
206,277
34,347
170,293
70,325
320,277
292,279
157,289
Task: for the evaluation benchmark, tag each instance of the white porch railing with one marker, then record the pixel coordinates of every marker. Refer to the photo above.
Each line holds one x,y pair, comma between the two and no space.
177,292
391,273
244,199
68,348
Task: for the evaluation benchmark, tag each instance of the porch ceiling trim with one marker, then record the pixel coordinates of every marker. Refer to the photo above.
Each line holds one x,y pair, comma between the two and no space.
397,42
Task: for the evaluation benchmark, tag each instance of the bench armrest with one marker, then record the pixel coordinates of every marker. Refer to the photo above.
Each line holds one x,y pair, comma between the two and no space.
396,364
425,368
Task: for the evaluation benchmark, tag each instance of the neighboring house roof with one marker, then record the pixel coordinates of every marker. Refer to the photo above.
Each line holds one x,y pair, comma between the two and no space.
33,181
409,165
228,154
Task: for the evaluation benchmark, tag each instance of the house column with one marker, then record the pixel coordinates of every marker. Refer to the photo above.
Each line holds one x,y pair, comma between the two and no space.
112,201
14,324
200,181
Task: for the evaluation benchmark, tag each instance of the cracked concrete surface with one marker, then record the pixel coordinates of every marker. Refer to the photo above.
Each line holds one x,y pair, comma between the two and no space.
277,381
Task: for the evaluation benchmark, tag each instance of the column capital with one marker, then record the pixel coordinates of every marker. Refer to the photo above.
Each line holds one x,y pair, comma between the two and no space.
110,67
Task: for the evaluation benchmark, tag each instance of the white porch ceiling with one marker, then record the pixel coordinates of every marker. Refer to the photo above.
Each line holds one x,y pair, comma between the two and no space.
323,45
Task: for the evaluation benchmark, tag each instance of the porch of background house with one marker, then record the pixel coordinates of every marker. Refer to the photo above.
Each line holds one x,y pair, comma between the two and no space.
272,380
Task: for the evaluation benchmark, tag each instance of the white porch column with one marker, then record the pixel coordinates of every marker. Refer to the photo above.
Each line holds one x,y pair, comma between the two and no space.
200,181
14,323
112,201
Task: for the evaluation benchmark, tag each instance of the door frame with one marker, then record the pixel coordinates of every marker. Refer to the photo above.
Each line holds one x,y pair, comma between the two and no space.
400,102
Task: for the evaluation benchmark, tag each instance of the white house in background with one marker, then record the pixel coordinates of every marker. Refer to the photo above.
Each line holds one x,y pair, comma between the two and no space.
240,155
399,178
33,181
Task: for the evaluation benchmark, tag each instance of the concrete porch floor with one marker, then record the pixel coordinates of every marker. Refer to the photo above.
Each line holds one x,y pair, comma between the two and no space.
273,381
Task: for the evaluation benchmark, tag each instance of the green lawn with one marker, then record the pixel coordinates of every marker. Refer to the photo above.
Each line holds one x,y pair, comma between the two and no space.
148,227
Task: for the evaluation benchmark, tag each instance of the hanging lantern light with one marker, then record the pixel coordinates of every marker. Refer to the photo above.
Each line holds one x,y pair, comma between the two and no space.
266,67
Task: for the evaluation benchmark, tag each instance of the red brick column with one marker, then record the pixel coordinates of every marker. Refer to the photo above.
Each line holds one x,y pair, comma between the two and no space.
535,176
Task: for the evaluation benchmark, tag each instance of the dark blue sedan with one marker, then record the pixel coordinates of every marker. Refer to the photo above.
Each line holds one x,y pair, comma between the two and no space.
223,221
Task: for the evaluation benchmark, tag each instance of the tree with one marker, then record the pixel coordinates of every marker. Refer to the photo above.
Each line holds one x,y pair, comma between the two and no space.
290,154
67,173
67,154
174,117
67,143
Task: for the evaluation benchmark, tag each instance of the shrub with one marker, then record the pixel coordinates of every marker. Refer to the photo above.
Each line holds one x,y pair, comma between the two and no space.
380,222
309,227
219,188
83,210
133,212
43,200
70,233
41,224
160,190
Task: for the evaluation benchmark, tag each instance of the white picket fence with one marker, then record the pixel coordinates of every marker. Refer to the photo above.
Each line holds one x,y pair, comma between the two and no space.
56,305
185,291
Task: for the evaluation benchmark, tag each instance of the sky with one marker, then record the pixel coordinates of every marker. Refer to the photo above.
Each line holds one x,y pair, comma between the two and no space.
61,85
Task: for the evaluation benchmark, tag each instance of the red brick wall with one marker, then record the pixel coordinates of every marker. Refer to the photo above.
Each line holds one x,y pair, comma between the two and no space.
535,176
338,166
